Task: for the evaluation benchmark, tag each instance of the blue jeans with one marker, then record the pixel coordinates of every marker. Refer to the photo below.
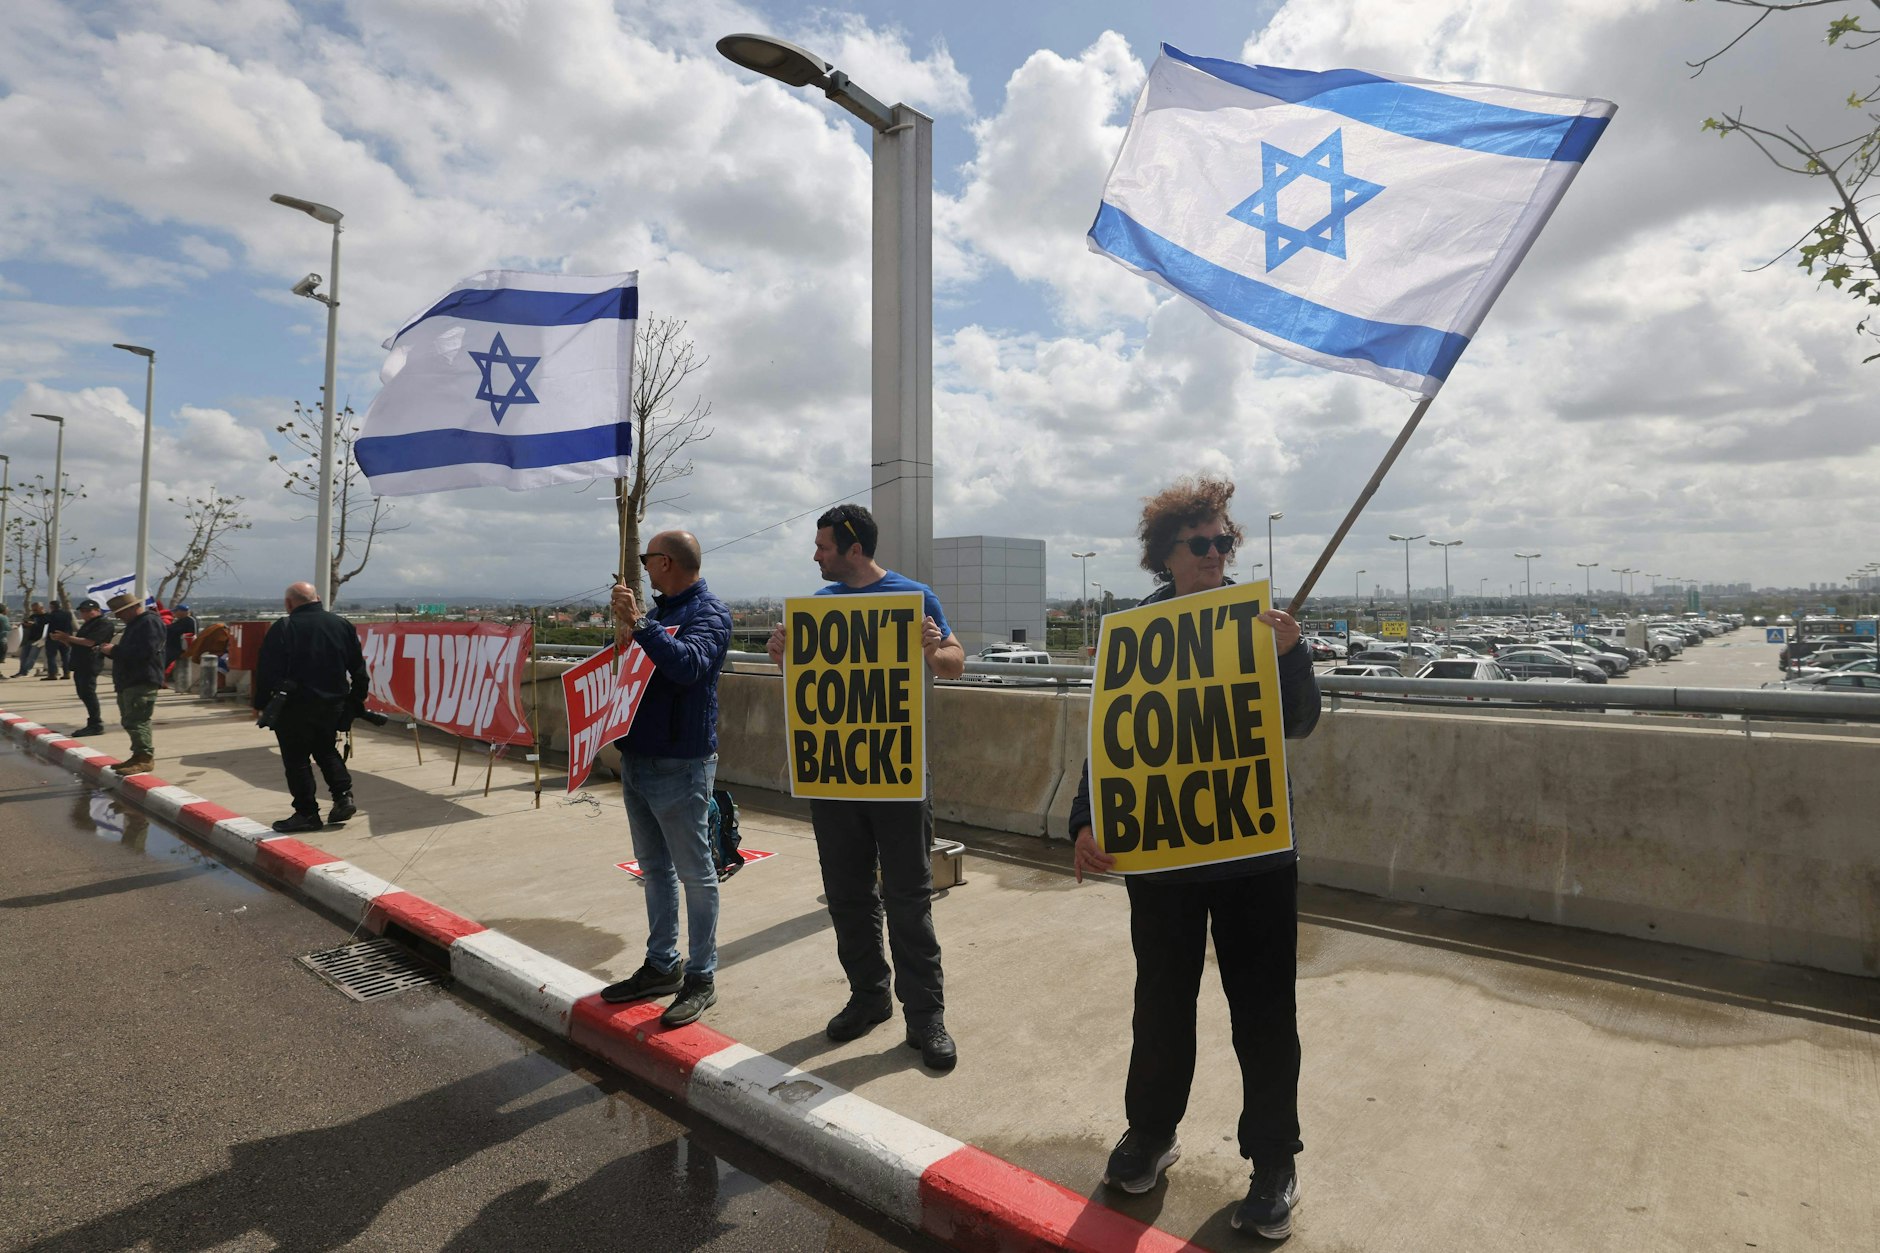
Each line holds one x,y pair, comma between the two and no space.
666,811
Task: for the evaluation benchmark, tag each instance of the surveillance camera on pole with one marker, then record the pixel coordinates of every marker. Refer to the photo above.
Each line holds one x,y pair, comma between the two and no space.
307,287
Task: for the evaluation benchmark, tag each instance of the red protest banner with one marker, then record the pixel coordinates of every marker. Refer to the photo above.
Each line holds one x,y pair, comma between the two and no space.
601,705
461,677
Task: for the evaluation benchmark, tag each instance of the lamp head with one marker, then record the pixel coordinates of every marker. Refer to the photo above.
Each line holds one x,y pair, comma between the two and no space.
51,417
773,58
151,353
318,212
307,285
1275,516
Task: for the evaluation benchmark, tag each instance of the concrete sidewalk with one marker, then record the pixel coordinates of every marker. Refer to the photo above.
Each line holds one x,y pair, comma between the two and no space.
1470,1082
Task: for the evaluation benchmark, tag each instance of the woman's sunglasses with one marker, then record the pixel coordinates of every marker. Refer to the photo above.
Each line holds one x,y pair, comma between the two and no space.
1199,544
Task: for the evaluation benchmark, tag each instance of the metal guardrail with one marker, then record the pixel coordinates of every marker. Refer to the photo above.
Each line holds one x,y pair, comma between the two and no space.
1459,693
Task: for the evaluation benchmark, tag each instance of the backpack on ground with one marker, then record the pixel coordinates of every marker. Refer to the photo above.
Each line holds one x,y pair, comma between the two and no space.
721,820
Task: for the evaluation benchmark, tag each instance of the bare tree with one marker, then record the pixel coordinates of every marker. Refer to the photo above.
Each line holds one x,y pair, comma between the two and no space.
663,359
358,516
212,520
28,536
1842,243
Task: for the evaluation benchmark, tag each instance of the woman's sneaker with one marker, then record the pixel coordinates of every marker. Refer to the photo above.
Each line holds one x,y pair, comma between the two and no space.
1270,1201
1137,1162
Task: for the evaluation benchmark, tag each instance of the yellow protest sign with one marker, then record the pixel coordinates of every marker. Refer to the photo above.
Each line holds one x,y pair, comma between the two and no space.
855,696
1393,629
1187,734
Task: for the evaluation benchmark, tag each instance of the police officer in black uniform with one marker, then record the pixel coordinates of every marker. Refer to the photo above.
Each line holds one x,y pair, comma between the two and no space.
312,663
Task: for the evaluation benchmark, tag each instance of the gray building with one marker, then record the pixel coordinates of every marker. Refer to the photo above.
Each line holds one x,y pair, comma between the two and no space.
992,588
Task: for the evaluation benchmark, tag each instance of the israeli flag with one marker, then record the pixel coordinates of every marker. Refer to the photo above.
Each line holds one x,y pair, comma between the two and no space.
120,586
511,379
1354,221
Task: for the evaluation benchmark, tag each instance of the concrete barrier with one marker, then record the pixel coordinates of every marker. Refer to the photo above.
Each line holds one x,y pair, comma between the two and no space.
1729,837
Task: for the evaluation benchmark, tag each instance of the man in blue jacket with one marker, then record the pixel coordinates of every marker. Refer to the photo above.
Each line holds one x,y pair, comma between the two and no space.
668,762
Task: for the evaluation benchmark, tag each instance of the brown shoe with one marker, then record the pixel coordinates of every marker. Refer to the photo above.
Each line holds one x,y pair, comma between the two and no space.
136,765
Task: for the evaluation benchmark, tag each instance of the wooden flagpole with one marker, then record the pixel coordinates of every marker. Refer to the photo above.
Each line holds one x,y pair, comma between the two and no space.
490,769
457,763
1364,498
416,741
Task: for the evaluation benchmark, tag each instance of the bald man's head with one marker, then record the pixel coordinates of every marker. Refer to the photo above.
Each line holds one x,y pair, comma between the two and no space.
301,594
681,546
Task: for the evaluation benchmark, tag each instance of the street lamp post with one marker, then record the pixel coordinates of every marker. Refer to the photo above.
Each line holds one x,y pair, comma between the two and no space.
1273,587
141,588
6,497
1528,600
323,540
1354,603
58,498
1083,605
1406,540
1481,594
1589,567
902,357
1449,608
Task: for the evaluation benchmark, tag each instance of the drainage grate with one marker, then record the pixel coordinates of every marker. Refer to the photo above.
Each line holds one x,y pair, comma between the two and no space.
370,969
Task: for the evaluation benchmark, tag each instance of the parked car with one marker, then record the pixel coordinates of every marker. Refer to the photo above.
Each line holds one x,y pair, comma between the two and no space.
1323,649
1478,668
1365,670
1823,660
1833,681
1544,663
1376,657
1612,663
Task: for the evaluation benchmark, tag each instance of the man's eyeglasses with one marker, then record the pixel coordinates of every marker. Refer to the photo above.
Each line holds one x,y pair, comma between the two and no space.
647,557
1199,544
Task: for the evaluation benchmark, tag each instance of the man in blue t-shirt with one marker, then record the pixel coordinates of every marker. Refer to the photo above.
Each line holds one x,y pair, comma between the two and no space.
854,837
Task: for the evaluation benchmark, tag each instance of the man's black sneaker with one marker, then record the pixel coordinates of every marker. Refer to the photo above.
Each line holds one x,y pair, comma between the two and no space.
857,1020
1270,1202
299,822
91,729
343,808
935,1045
648,981
1137,1162
697,995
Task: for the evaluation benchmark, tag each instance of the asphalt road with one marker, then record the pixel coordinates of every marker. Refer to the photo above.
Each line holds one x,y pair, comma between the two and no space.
175,1080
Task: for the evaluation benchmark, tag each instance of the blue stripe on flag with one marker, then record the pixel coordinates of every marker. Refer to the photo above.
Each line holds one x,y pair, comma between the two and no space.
1414,112
1413,349
519,307
429,450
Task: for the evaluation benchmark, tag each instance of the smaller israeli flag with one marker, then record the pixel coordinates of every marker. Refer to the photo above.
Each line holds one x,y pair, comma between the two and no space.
121,585
1349,220
513,380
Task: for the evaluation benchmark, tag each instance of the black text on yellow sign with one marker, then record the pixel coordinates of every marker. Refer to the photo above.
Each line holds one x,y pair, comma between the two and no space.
856,701
1187,739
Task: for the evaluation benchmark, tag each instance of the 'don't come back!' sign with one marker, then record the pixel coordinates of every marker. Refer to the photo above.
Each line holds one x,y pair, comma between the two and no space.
1187,733
855,696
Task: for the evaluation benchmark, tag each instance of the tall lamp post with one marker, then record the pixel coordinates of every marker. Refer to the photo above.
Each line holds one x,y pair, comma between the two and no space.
1625,600
6,497
1272,588
1355,602
1407,540
1589,567
323,541
141,589
1528,600
1083,605
58,498
1449,609
902,369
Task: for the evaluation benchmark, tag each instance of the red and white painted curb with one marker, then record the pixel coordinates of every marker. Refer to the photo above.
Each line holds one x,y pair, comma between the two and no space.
929,1181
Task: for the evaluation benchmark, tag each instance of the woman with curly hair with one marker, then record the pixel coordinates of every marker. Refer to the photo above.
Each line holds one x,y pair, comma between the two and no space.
1188,541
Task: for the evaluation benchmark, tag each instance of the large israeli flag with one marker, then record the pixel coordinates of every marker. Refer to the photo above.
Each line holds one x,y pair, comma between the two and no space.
1346,219
512,379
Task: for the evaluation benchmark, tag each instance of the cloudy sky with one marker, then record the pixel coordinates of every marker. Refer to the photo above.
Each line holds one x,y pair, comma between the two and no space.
1639,397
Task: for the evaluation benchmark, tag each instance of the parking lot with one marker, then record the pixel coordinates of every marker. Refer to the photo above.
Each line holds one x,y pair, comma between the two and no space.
1739,659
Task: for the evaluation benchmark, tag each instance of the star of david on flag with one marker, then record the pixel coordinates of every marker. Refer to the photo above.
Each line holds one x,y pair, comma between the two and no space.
1354,221
510,379
1279,169
518,392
